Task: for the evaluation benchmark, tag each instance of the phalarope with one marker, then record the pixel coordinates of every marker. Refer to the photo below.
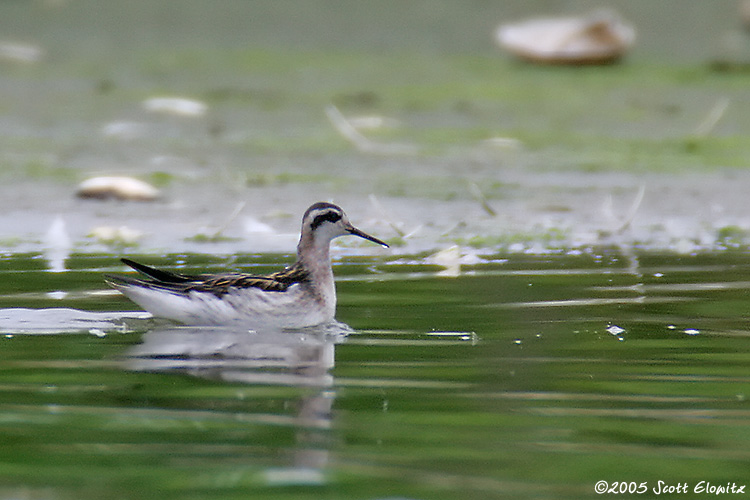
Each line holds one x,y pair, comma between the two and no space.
303,294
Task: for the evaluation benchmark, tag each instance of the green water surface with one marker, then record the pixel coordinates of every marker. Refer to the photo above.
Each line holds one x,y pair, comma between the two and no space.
516,376
522,377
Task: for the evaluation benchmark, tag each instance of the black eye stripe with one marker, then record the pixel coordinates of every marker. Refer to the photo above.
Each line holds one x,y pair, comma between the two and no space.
328,216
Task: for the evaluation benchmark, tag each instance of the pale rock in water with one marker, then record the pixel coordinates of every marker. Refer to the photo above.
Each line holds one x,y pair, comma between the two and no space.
598,38
114,187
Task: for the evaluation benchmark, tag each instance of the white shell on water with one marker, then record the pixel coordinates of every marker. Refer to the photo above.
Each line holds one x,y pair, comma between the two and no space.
121,188
595,39
179,106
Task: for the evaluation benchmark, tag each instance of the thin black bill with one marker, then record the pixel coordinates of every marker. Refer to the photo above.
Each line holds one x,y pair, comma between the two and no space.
362,234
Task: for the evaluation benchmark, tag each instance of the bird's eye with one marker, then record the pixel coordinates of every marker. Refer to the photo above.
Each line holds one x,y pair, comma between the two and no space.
328,216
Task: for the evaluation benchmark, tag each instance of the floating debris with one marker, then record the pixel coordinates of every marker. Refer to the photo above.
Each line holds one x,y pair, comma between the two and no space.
623,223
452,258
349,132
116,236
123,130
179,106
598,38
208,235
615,330
373,122
708,124
114,187
20,52
251,225
396,226
218,234
476,192
57,245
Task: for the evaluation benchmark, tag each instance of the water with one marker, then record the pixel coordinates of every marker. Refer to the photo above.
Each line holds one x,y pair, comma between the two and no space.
560,153
523,376
510,376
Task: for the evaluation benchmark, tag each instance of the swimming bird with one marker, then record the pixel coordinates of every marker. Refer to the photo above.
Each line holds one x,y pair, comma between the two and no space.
302,295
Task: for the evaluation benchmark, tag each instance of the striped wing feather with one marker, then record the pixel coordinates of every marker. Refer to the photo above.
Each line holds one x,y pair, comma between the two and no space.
217,284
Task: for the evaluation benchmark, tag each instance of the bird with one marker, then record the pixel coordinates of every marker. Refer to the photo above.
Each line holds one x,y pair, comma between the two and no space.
299,296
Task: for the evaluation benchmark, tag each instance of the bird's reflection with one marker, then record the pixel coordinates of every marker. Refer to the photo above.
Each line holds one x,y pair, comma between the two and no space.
301,358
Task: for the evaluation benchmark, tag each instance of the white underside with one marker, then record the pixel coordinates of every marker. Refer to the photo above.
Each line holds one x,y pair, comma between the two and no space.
251,307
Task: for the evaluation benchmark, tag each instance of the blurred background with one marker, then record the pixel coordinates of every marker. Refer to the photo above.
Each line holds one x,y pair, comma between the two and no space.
234,112
564,300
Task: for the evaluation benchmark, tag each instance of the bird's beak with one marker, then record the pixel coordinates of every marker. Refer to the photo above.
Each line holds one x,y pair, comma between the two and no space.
356,232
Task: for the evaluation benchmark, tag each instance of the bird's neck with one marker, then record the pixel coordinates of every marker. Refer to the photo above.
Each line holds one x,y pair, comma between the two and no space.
316,258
